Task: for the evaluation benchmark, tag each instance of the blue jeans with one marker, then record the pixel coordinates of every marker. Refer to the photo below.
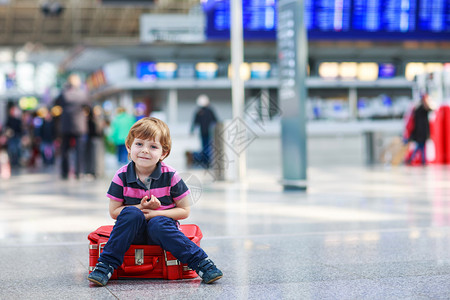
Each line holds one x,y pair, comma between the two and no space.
203,158
69,141
14,151
131,228
419,148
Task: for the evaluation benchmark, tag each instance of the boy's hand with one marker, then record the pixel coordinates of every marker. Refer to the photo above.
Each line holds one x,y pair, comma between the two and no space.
150,213
153,203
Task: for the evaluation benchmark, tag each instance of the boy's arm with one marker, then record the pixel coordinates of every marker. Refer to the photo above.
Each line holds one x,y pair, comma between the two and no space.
115,207
181,211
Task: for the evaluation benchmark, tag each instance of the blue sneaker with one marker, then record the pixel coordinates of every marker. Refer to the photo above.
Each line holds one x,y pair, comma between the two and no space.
208,271
101,274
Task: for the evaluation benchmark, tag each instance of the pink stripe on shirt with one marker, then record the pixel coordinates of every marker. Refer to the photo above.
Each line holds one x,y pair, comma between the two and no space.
160,192
116,179
175,179
134,193
114,198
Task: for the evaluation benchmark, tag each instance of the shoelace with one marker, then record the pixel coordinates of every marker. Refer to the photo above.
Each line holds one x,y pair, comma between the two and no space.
103,268
208,265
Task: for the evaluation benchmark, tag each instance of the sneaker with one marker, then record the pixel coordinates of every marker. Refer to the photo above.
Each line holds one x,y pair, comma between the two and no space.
101,274
208,271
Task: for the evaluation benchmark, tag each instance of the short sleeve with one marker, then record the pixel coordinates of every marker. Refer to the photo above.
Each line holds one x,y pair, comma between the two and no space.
115,191
178,188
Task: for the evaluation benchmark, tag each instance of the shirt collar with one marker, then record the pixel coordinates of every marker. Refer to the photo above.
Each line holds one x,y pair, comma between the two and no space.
157,172
131,172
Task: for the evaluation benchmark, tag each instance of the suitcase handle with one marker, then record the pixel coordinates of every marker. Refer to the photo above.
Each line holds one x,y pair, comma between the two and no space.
139,269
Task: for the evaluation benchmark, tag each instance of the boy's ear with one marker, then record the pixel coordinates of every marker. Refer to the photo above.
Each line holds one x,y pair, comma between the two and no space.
163,156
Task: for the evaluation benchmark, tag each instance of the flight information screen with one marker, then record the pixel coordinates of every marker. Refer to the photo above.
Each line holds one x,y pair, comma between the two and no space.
339,19
258,18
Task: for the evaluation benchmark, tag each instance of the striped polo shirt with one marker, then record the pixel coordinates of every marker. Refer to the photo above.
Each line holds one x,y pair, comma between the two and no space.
165,184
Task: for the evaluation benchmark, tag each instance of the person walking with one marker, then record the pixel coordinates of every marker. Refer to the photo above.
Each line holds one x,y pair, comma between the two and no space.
205,118
47,136
421,130
73,123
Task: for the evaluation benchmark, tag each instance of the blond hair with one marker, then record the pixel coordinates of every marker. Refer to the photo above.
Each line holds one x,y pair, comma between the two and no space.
150,128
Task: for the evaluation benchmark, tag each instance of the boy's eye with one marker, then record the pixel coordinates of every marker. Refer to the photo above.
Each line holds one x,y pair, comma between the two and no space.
138,144
155,147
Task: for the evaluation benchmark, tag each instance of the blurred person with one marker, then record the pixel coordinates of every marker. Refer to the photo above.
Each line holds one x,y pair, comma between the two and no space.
141,217
421,128
205,118
46,133
30,139
73,123
139,111
120,125
94,144
14,132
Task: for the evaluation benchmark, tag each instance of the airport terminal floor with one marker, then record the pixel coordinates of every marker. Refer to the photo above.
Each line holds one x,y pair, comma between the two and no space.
358,232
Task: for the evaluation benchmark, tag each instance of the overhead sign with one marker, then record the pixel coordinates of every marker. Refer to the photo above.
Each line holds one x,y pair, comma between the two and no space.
172,27
258,17
343,19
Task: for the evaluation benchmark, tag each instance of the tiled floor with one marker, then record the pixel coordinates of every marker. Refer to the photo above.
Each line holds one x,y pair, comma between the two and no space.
358,232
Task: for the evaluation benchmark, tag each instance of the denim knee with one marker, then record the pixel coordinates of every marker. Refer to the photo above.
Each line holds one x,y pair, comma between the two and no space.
158,223
131,214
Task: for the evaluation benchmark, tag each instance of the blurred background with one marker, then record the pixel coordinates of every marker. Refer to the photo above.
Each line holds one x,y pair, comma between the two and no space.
368,61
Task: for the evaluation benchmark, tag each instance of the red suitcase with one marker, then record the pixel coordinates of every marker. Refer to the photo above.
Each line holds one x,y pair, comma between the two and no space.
144,261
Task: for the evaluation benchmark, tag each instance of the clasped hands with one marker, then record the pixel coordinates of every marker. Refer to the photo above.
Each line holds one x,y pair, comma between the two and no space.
149,206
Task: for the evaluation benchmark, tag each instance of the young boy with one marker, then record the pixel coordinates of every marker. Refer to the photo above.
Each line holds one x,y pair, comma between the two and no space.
147,197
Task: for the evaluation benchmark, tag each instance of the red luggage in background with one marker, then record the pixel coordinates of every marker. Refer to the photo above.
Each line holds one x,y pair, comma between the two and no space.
144,261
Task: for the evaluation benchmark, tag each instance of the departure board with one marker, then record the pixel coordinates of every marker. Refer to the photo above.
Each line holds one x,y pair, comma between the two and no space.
434,16
391,19
328,15
340,19
384,15
259,19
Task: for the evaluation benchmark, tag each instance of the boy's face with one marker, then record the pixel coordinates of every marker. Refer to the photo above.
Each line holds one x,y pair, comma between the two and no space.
146,153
